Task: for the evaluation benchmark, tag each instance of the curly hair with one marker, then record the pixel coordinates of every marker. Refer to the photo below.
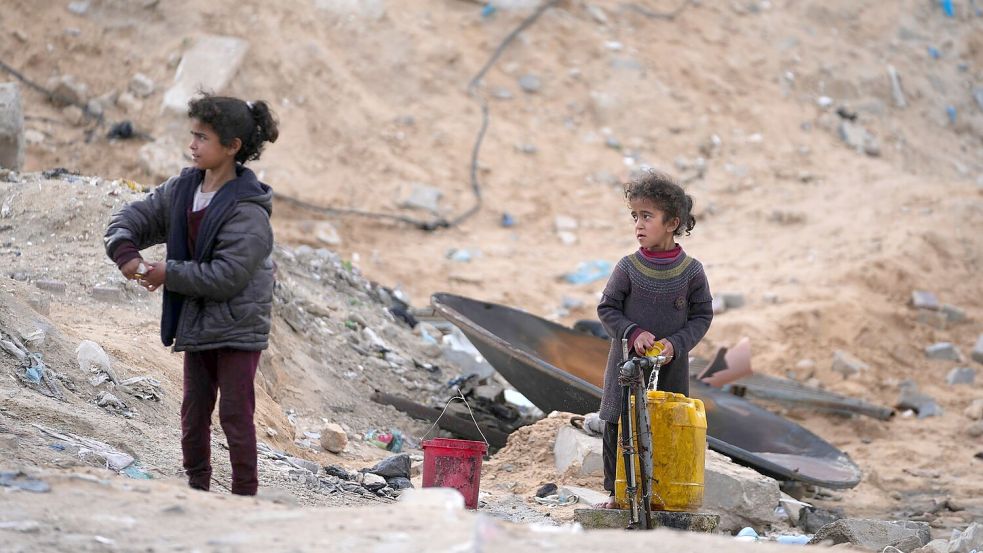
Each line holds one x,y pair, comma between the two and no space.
251,122
662,190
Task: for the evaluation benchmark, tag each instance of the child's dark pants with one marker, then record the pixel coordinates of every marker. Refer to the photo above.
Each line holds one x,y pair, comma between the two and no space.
206,373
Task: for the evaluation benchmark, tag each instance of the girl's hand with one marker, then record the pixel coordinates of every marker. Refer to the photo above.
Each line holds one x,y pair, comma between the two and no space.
155,276
131,268
644,342
667,350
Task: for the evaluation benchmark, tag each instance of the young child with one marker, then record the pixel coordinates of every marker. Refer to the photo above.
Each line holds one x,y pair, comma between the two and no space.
217,278
657,294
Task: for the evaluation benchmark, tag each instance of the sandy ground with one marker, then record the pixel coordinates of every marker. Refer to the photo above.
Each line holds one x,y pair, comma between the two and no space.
825,243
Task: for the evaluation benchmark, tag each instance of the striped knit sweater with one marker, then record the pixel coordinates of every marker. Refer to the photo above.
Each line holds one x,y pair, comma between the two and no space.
669,298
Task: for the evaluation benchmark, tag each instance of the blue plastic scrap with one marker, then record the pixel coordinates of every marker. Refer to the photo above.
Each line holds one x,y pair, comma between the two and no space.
589,271
948,8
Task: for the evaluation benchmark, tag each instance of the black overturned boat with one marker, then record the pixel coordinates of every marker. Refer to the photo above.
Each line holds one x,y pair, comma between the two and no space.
561,369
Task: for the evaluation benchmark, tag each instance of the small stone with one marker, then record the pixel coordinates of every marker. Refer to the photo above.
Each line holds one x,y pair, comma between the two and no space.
501,93
805,369
392,467
977,354
530,83
525,148
334,438
718,305
54,286
423,197
74,115
563,222
597,13
961,375
79,8
66,90
943,350
373,482
129,103
327,234
874,534
859,138
770,297
109,294
304,464
141,85
567,238
975,430
920,403
975,410
846,364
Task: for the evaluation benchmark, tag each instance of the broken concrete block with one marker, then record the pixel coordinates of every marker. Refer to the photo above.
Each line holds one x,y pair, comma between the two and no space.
847,364
334,438
54,286
943,350
210,64
961,375
741,496
108,294
977,354
875,534
11,127
587,496
423,197
577,452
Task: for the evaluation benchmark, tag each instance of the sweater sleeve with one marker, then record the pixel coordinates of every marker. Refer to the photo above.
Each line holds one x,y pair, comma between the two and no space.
611,309
699,317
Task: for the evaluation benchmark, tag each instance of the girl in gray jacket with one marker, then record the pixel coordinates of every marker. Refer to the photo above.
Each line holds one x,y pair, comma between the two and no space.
217,278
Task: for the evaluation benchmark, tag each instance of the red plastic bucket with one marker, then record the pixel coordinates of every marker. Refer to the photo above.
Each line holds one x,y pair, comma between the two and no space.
454,464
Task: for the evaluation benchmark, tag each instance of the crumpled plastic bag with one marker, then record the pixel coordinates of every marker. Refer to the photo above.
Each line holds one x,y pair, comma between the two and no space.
92,358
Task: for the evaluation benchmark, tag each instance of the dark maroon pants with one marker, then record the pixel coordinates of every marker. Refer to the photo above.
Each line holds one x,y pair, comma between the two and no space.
227,374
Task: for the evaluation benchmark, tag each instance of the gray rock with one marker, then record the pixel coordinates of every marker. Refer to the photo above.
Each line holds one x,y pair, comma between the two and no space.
934,546
943,350
108,294
812,519
304,464
953,314
847,364
961,375
859,138
399,483
975,430
875,534
373,482
924,300
66,90
492,393
977,354
395,466
141,85
334,438
739,495
79,8
530,83
54,286
210,64
577,452
718,305
423,197
920,403
11,127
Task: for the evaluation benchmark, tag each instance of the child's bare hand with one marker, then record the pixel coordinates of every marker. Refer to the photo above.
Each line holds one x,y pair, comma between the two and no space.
155,276
667,350
131,270
644,342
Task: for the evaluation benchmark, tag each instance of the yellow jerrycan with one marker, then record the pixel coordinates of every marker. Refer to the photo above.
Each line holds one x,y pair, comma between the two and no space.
679,442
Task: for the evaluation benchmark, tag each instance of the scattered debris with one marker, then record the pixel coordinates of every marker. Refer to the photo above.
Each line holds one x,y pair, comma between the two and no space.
943,350
21,481
588,272
90,450
875,534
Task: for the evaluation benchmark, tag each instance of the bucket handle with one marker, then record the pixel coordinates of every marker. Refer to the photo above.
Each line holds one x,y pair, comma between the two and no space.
459,396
